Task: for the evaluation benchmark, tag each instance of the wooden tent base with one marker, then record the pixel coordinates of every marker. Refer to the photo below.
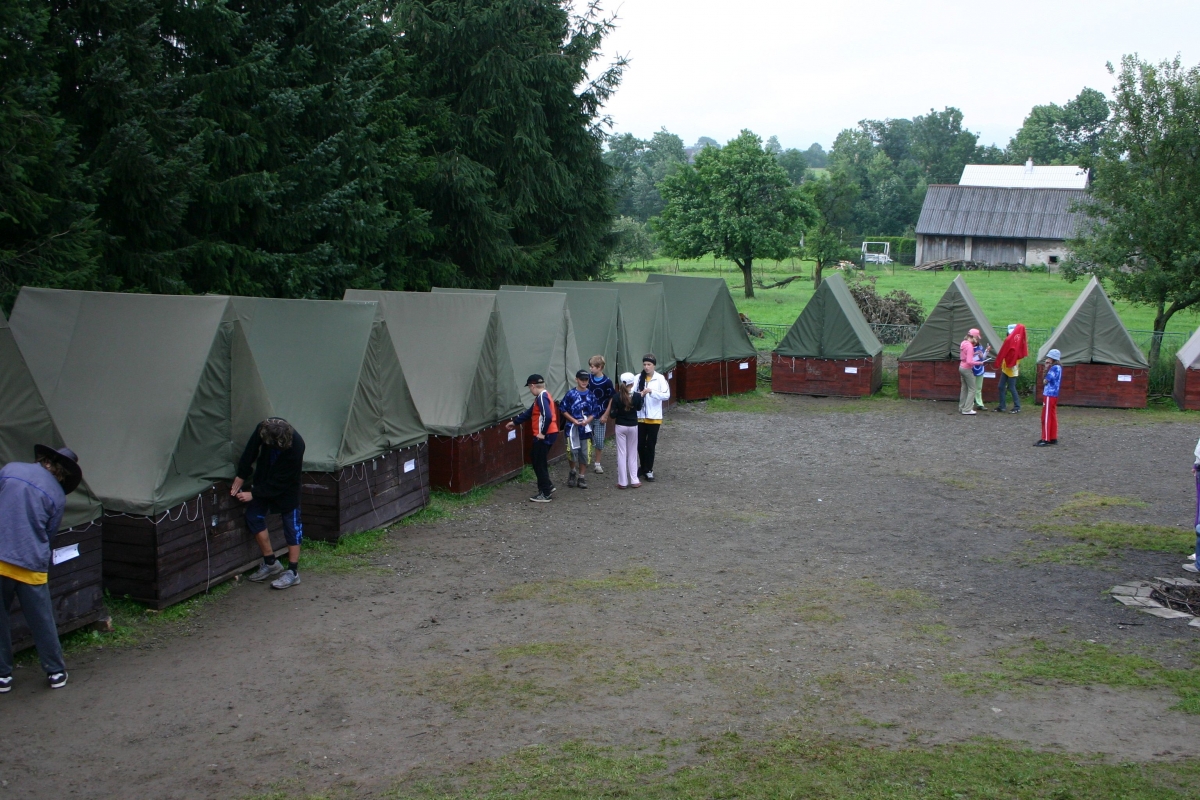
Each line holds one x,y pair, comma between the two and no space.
1099,386
938,380
183,551
76,584
366,495
1187,387
459,464
715,378
827,377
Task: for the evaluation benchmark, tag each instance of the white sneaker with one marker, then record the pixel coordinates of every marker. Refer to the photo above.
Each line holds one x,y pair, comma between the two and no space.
596,468
970,413
1191,567
1192,557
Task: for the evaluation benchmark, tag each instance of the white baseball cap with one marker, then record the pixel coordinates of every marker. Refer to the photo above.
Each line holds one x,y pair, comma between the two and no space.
628,378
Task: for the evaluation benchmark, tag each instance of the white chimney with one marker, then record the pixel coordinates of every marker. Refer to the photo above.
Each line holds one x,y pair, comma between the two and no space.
1029,167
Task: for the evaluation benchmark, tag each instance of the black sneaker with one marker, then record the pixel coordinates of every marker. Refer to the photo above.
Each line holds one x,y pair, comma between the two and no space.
582,482
1042,443
539,498
999,410
1015,411
649,476
57,679
571,479
6,684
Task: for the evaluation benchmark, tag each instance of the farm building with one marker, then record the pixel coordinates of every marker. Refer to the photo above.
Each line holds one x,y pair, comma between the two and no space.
76,585
1002,215
455,358
830,350
331,370
714,356
928,368
158,395
1102,366
1187,374
541,339
643,326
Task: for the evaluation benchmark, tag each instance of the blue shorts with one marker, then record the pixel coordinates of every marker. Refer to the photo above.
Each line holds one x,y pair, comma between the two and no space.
256,520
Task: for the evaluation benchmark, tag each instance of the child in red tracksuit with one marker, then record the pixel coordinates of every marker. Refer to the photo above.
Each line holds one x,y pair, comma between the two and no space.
1053,380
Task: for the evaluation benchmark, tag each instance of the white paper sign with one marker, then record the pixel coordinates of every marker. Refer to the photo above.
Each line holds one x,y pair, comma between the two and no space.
62,554
512,435
989,374
744,365
1125,379
851,370
409,466
670,374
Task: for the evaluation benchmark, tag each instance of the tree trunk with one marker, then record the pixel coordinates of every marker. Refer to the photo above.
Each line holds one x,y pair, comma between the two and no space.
747,266
818,268
1160,325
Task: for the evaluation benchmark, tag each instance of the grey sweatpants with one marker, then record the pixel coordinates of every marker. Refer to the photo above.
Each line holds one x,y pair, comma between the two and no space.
966,393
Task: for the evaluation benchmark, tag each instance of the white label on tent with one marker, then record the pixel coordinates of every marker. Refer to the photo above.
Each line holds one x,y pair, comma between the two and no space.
512,435
851,370
989,374
409,466
62,554
670,374
1125,379
744,365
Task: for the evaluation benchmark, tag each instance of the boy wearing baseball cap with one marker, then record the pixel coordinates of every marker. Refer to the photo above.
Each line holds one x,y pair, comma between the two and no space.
544,414
1053,380
579,410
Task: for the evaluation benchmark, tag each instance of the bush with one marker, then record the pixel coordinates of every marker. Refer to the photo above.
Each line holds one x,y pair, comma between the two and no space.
897,307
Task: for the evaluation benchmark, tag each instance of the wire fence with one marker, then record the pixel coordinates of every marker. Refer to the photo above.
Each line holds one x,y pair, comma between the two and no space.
894,338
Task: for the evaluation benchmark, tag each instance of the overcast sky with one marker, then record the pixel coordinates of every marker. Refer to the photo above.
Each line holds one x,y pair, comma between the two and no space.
804,71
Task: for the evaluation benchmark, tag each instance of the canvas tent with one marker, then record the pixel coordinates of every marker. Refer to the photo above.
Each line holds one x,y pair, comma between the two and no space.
455,357
1187,374
830,349
1102,365
75,578
331,369
643,326
158,395
713,352
594,315
929,365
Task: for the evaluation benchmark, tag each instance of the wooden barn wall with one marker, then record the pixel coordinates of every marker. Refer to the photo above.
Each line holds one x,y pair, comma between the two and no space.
938,380
938,248
997,251
827,377
458,464
716,378
366,495
182,552
76,583
1099,386
1187,387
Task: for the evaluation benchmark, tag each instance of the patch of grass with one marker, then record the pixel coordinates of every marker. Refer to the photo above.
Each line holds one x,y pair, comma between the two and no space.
936,631
1086,554
866,722
527,475
357,550
760,401
1087,502
632,579
1080,664
1105,538
730,767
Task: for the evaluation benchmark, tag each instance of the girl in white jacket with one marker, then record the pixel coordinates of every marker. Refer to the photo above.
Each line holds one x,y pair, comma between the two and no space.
654,390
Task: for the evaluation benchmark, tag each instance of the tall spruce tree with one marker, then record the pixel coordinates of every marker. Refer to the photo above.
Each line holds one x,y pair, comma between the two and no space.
518,192
47,237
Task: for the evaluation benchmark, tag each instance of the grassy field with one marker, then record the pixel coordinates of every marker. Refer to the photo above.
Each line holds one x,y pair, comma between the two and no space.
1038,300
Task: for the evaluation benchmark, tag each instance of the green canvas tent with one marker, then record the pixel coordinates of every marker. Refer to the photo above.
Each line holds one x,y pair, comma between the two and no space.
830,326
594,314
947,325
705,325
331,369
455,357
157,394
643,323
1092,333
1189,354
540,336
25,421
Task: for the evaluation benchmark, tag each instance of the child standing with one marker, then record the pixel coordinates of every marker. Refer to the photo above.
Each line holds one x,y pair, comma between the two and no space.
544,414
578,409
625,408
1053,380
1009,361
655,391
981,357
602,392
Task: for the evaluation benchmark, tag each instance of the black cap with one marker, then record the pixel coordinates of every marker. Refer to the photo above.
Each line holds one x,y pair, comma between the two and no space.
534,379
583,375
650,357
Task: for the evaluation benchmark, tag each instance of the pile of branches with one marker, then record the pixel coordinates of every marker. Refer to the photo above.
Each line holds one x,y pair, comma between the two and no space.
958,265
897,307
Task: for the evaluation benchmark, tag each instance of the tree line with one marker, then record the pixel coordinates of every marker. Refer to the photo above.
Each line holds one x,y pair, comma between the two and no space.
296,149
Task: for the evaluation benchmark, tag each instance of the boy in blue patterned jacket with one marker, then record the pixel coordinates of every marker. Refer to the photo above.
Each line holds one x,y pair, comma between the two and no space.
579,410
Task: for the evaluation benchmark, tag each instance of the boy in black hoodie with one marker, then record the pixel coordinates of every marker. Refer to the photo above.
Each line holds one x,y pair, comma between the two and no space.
275,456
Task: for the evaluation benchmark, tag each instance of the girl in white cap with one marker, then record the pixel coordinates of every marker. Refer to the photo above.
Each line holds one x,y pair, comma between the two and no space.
1053,380
625,407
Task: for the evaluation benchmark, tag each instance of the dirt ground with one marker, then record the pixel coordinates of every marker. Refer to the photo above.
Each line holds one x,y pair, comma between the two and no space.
818,565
